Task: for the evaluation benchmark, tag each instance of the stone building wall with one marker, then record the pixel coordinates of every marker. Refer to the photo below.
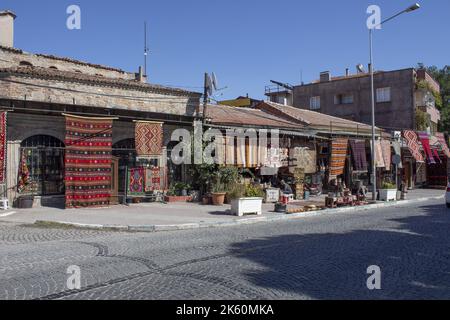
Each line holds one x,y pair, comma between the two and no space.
24,88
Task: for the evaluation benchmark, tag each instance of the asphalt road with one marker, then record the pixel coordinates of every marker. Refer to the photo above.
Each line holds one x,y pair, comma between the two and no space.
323,257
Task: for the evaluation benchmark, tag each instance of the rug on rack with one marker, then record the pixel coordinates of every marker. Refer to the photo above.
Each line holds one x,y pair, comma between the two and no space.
359,157
3,117
398,152
425,139
413,145
136,182
149,138
154,179
444,146
88,161
379,159
338,156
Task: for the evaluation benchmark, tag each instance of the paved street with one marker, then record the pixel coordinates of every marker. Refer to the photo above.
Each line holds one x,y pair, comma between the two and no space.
320,257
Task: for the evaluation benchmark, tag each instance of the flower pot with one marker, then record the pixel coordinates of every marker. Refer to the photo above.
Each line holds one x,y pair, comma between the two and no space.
206,200
218,199
25,202
388,194
243,206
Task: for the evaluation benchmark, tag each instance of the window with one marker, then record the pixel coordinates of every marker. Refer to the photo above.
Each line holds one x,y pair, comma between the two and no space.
314,103
384,94
343,99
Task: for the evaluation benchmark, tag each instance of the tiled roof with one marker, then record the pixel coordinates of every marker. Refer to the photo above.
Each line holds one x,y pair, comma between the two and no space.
311,118
233,116
48,73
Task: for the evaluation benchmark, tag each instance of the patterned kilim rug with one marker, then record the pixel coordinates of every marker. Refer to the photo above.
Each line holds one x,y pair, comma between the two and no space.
136,182
2,146
88,161
155,179
441,139
338,156
149,138
413,145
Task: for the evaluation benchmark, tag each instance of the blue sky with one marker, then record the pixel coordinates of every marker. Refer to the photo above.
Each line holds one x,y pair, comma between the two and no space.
246,42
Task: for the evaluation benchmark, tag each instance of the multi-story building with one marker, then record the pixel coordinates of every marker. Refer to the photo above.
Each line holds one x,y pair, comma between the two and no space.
404,98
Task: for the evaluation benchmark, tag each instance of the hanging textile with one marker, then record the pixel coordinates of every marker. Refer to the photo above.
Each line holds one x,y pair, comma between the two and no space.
252,153
154,179
387,154
136,180
88,161
359,157
436,156
230,150
413,145
338,156
24,173
149,138
241,152
273,158
303,158
425,139
379,159
443,144
398,152
3,117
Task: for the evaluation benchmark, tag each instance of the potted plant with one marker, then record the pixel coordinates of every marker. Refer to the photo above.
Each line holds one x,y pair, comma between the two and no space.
247,200
388,191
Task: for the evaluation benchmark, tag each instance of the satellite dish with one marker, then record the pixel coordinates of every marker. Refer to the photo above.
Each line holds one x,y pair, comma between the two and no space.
360,68
209,85
215,82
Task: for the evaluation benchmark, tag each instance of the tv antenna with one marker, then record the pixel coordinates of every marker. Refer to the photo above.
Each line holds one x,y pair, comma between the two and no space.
146,50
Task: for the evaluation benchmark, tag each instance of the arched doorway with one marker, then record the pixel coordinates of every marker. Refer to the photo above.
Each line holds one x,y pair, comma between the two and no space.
42,166
125,152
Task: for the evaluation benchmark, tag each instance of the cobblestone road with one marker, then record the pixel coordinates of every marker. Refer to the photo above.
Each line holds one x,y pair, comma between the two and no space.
323,257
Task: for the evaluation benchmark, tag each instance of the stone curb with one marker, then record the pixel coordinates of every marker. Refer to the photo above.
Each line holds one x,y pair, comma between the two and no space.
246,221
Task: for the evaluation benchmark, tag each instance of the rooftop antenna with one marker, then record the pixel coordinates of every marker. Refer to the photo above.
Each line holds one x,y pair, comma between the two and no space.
145,49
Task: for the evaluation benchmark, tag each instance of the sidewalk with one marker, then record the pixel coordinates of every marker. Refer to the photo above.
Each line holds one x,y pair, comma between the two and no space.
177,216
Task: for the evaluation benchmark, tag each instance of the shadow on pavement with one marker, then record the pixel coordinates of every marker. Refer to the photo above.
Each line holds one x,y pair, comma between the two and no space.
413,254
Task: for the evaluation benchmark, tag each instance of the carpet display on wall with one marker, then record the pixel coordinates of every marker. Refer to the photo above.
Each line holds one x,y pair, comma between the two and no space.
425,139
359,157
88,161
136,182
3,117
338,156
413,145
149,138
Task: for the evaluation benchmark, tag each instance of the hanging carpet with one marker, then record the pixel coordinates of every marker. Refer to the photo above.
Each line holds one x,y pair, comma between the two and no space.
359,158
338,156
149,138
413,145
88,161
3,116
425,139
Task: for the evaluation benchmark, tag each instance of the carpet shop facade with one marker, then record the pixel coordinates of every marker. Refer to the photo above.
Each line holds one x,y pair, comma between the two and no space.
79,134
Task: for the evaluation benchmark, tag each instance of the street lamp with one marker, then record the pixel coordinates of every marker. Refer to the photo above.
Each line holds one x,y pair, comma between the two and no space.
374,167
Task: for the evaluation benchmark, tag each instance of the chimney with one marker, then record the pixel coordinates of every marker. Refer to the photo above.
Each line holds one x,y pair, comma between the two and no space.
7,28
325,76
140,76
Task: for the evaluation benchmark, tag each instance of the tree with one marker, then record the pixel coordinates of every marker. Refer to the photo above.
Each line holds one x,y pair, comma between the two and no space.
442,76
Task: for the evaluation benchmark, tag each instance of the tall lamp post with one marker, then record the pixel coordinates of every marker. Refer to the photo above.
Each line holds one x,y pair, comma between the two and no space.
374,167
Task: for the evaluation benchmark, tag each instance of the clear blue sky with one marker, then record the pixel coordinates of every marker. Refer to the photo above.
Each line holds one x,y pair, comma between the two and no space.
246,42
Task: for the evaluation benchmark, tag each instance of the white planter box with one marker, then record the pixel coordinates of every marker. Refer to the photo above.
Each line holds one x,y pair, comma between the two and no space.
388,195
243,206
